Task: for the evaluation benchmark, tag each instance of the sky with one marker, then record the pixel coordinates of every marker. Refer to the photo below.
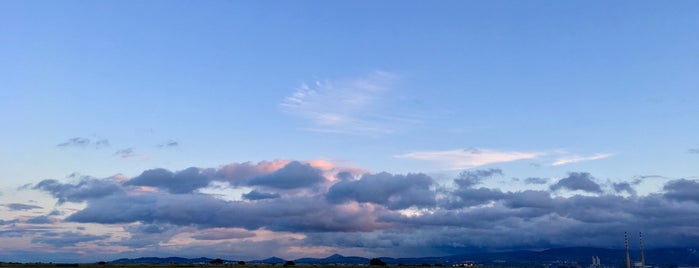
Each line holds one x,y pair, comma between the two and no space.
251,129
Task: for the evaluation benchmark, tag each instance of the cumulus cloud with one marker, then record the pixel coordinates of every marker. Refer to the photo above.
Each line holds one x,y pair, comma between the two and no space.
293,175
682,190
18,206
87,188
576,158
185,181
368,213
393,191
468,158
582,181
624,187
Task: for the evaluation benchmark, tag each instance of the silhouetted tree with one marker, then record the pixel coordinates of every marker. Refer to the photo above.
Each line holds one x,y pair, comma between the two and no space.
241,262
377,262
289,263
217,261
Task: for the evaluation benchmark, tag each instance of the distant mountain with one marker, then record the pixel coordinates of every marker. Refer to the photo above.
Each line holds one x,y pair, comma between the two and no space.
334,259
575,255
168,260
272,260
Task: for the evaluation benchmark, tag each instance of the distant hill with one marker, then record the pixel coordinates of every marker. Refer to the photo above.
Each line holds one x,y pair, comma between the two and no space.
574,255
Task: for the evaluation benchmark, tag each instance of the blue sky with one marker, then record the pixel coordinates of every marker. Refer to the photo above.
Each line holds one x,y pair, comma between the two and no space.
569,103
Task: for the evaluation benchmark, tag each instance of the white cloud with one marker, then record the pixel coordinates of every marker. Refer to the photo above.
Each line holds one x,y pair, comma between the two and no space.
576,158
469,158
348,107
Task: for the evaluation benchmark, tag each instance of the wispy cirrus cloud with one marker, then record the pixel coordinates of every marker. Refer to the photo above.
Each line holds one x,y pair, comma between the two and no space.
347,107
576,158
469,158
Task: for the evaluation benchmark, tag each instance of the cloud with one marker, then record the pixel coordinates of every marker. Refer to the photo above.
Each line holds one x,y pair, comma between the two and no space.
87,188
124,152
19,207
360,214
257,195
693,151
469,178
185,181
574,159
169,144
66,239
293,175
40,220
348,107
468,158
393,191
578,181
77,141
84,142
624,187
682,190
222,233
534,180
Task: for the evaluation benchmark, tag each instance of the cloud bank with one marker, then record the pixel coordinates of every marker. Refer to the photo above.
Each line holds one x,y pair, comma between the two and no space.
315,208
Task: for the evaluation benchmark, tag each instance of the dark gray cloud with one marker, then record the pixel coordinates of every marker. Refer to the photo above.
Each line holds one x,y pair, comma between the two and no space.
87,188
682,190
536,181
18,206
470,178
257,195
185,181
293,175
582,181
393,191
66,239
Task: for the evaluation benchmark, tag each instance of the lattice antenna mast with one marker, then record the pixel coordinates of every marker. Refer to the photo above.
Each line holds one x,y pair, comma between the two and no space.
640,241
626,243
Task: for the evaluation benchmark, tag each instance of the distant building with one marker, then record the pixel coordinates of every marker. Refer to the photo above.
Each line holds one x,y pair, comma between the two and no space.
596,263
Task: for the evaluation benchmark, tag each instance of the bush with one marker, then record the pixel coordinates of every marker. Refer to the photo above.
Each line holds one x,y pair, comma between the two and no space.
377,262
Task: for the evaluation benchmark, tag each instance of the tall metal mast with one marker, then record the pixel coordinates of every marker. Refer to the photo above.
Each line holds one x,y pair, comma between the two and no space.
626,243
640,241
